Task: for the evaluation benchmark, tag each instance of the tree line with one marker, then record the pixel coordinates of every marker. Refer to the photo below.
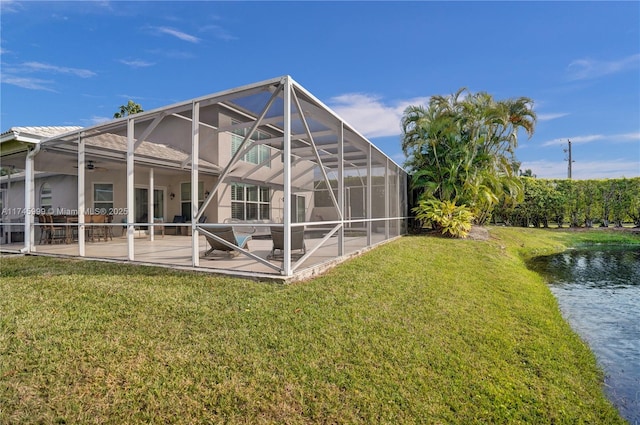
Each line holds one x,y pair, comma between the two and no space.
574,203
460,152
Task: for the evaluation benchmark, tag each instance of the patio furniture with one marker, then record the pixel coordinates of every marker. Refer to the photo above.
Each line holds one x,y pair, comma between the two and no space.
297,242
44,229
248,227
176,230
70,226
227,235
103,228
158,225
56,232
12,230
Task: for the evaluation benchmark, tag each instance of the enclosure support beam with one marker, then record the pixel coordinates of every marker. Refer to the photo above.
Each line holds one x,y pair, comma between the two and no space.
399,212
29,200
237,155
275,174
341,187
386,200
286,264
82,198
368,194
148,130
8,205
195,160
130,189
316,155
252,171
310,252
205,231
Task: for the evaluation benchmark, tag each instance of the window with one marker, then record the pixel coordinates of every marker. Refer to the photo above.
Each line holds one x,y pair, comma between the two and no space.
103,196
185,198
46,203
250,202
259,154
298,208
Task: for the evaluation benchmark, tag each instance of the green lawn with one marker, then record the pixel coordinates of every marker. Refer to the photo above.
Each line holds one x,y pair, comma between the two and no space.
421,330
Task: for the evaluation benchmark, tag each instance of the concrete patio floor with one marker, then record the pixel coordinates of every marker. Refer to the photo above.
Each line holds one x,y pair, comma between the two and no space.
175,252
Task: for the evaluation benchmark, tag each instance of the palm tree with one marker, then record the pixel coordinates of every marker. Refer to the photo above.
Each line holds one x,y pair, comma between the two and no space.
129,109
461,148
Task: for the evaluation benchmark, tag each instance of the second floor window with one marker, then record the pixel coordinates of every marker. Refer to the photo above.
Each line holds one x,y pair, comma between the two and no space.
259,154
250,202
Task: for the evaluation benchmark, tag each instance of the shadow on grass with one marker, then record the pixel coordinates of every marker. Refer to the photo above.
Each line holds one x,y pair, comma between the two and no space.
12,265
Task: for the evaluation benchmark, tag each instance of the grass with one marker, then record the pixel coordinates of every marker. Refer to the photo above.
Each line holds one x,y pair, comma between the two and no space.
421,330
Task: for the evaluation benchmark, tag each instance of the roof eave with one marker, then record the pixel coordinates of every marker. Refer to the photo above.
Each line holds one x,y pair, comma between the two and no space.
12,146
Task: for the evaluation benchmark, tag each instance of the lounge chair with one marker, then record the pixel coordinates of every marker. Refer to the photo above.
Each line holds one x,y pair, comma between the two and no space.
297,242
226,234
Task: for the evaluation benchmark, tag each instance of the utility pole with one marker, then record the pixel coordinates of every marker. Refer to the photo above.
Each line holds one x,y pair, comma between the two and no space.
568,150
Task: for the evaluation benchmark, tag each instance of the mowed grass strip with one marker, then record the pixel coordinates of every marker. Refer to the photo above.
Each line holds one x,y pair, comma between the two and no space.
421,330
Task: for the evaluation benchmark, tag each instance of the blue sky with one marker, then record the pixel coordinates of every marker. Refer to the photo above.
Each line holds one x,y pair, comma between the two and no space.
75,63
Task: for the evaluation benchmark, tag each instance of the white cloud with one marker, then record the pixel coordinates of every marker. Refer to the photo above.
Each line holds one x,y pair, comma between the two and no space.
45,67
219,32
172,54
26,83
625,137
371,115
15,75
551,116
10,6
178,34
583,69
584,169
136,63
95,120
630,137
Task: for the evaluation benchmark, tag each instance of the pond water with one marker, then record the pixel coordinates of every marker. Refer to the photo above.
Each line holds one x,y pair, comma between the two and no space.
598,291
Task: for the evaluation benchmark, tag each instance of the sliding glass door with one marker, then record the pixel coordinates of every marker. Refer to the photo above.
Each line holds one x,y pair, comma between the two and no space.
141,211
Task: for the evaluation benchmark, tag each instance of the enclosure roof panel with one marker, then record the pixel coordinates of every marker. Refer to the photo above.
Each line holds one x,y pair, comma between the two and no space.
311,120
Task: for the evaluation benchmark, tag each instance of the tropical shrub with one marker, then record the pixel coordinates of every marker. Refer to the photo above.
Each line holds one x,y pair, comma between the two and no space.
447,217
461,148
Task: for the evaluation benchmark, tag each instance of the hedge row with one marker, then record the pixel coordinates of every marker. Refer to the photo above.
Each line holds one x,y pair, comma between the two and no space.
576,203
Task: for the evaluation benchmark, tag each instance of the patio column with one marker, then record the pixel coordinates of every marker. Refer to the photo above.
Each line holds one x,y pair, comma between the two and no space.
341,187
81,195
286,264
7,203
368,195
130,189
195,159
387,209
29,201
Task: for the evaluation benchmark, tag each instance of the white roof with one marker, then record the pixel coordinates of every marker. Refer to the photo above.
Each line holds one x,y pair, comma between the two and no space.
34,134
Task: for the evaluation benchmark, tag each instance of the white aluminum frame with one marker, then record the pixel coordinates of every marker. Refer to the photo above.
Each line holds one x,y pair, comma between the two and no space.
299,106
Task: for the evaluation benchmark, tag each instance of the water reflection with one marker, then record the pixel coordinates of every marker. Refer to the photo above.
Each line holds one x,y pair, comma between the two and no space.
598,291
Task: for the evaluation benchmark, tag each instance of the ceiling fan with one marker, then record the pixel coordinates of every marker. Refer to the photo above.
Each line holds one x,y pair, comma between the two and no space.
91,166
